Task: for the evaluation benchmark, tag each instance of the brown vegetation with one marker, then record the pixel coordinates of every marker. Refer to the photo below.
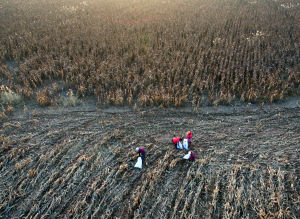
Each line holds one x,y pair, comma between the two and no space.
152,52
43,97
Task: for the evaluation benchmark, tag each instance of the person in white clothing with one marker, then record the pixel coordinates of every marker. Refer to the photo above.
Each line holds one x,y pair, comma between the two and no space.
185,144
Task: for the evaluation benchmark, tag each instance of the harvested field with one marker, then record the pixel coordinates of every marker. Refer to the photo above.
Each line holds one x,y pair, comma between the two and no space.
164,64
78,163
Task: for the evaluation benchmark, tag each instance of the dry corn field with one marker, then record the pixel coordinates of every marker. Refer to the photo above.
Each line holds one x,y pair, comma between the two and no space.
157,53
83,83
79,163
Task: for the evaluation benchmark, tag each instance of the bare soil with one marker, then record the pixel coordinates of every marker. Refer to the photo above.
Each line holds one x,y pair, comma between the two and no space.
79,162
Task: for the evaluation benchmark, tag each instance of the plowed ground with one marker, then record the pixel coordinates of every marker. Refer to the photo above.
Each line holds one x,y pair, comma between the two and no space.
79,163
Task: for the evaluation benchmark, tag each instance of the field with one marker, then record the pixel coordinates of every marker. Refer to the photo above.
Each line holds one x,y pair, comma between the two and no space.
157,53
83,83
78,163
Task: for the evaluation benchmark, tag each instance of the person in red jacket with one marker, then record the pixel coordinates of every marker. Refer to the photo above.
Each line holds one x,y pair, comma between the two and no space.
176,140
189,137
142,153
192,156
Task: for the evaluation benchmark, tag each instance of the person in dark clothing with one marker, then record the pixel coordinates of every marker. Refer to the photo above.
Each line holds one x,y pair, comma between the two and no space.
142,153
192,156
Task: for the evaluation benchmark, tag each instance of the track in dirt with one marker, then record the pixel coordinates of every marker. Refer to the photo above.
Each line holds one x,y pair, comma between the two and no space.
79,163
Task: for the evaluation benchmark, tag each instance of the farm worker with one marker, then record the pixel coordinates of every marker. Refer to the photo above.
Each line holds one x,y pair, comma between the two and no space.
192,156
185,144
142,153
189,137
177,142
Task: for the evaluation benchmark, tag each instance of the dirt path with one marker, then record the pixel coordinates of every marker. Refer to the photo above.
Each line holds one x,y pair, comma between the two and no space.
79,162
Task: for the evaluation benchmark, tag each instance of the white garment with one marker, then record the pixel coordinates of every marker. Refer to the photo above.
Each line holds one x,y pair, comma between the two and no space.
139,163
185,144
179,145
187,156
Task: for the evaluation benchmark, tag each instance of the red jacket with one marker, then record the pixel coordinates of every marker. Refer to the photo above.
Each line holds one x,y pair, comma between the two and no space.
189,136
176,140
